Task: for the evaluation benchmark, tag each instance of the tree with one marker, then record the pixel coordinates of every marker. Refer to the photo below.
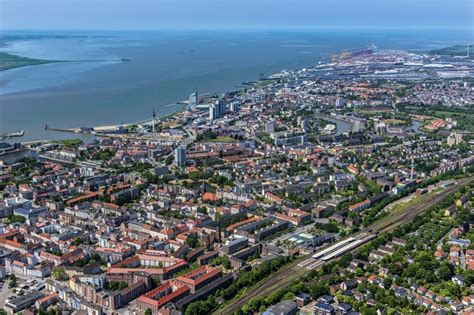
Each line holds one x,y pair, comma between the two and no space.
12,282
59,274
387,282
117,285
469,277
444,272
318,289
16,218
148,311
192,241
77,241
226,262
289,296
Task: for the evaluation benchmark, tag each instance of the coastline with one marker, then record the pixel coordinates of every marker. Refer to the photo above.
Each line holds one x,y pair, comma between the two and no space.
10,61
152,93
102,128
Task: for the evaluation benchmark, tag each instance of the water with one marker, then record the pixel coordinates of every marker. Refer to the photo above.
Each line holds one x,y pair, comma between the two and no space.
165,67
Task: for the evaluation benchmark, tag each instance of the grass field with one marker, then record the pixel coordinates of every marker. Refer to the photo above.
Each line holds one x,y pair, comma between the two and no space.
395,122
8,61
225,139
70,142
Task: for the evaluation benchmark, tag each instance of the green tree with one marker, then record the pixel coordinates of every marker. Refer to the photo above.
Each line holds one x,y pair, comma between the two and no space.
59,274
289,296
318,289
445,272
192,241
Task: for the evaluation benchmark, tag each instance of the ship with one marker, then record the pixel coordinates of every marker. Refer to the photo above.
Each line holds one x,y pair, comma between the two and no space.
15,134
125,59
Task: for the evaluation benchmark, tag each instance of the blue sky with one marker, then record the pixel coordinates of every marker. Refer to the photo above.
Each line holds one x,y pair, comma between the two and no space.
234,14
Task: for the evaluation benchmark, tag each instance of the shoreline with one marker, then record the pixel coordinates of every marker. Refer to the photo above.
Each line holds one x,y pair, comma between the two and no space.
95,129
6,57
145,120
9,61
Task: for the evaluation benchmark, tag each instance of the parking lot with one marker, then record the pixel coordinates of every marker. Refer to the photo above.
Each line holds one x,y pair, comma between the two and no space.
24,285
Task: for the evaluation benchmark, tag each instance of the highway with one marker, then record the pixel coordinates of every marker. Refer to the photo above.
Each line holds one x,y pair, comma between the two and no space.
302,266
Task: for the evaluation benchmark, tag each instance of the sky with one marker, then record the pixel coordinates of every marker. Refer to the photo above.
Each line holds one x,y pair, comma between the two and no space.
234,14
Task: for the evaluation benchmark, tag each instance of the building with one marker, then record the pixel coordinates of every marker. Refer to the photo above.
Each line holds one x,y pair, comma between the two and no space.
454,138
234,106
290,138
30,214
294,216
193,100
180,156
258,230
213,112
207,257
216,110
199,277
340,102
361,206
323,309
234,244
168,292
282,308
22,302
270,127
221,107
158,266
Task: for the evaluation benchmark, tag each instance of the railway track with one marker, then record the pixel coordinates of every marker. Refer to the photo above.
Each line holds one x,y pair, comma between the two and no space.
298,268
406,216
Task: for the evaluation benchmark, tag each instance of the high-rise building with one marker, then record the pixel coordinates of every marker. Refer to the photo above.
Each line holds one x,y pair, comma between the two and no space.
213,112
193,100
340,102
234,106
454,138
221,107
299,119
217,110
180,156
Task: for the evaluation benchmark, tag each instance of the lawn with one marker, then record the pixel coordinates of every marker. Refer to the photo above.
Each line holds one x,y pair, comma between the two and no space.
70,142
225,139
395,122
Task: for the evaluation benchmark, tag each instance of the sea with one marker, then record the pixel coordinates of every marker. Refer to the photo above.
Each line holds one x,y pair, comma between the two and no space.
96,87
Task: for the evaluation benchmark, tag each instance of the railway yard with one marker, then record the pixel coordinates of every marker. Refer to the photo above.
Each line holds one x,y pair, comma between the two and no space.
330,253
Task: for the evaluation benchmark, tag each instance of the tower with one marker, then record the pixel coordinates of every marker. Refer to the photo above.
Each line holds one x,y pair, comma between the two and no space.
153,116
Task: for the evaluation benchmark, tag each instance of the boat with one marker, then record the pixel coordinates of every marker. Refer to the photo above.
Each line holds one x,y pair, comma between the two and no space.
19,133
125,59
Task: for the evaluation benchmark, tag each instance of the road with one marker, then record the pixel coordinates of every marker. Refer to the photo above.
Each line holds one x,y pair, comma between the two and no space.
5,293
298,268
187,141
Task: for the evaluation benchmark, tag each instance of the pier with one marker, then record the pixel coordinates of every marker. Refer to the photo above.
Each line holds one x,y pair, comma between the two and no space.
73,130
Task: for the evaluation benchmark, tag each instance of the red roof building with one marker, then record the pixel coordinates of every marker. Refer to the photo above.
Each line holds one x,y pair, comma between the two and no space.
168,292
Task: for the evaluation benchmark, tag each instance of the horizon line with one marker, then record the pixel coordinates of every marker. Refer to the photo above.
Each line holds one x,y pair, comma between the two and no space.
239,28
